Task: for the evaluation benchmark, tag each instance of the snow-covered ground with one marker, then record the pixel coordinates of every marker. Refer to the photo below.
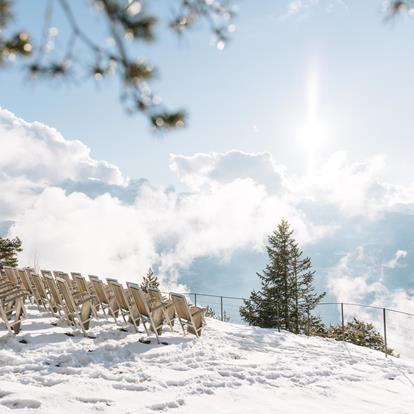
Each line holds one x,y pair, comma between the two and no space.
231,369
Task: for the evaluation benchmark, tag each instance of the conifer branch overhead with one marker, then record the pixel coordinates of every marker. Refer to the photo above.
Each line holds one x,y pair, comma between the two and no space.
85,55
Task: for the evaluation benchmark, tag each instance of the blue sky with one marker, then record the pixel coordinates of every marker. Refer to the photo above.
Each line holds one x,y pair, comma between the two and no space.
251,96
305,116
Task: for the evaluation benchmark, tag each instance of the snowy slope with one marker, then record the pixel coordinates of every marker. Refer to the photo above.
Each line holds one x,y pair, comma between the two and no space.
231,369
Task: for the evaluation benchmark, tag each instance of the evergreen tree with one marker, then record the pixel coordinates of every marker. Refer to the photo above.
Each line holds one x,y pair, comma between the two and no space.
8,251
357,332
211,313
287,295
150,281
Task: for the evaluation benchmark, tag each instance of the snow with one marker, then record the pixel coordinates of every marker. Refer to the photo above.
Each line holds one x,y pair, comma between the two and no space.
230,369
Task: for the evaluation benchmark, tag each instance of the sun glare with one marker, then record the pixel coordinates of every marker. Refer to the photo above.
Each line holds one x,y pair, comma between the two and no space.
312,131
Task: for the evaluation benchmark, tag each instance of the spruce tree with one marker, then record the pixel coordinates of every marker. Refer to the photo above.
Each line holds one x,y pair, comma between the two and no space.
8,251
150,281
287,295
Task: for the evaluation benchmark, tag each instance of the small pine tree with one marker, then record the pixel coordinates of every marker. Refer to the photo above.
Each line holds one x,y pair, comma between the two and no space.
287,295
359,333
150,281
8,251
210,312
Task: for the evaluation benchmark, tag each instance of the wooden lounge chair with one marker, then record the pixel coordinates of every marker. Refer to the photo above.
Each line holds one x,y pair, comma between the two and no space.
80,283
26,282
189,316
39,291
104,296
82,288
154,315
155,298
12,309
78,311
121,302
56,304
64,275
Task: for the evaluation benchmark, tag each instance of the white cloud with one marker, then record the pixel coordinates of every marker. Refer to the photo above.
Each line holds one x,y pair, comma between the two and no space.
396,260
355,188
34,156
160,228
41,154
354,279
211,169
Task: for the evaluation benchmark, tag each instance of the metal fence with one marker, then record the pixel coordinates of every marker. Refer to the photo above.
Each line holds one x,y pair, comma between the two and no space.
396,327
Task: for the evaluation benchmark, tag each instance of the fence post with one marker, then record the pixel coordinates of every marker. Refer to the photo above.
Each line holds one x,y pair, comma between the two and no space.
195,299
385,332
343,321
221,308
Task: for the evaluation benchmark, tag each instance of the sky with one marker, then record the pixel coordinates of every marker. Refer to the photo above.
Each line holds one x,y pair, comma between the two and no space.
305,114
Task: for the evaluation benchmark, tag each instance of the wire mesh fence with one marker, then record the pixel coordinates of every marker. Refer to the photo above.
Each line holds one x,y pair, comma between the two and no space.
396,327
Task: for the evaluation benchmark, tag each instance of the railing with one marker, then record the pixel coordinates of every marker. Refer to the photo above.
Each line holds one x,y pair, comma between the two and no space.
226,308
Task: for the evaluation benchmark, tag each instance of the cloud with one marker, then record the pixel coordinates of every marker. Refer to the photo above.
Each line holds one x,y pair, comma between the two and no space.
396,260
38,156
355,279
212,169
160,228
355,188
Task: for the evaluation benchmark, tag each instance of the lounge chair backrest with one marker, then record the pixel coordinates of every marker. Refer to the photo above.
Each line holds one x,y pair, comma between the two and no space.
39,285
73,275
80,282
46,272
99,289
139,299
66,293
63,275
181,305
119,293
11,275
24,277
155,295
53,289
